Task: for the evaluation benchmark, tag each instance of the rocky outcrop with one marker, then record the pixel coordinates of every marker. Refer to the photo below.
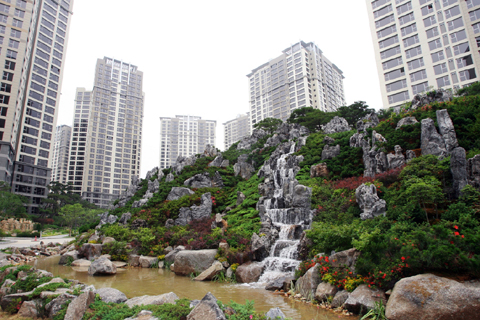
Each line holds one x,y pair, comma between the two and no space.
193,261
307,285
125,218
431,141
286,131
249,272
155,300
54,306
261,244
240,198
249,141
199,181
319,170
337,124
28,309
68,256
182,162
347,258
473,169
204,210
207,309
447,130
330,152
340,298
369,121
429,297
328,140
138,223
275,314
396,160
210,151
170,177
102,266
407,121
381,162
217,162
178,192
170,257
90,251
243,168
458,167
363,298
370,204
439,95
76,309
106,218
358,141
217,181
410,155
111,295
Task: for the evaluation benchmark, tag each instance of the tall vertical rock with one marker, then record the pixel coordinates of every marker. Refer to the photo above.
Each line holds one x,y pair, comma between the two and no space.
458,167
473,169
368,200
447,130
432,142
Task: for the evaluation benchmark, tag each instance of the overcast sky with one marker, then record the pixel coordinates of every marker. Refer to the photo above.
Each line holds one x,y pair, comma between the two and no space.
195,55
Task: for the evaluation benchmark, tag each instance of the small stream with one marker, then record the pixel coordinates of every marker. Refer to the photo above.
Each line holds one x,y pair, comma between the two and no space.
137,282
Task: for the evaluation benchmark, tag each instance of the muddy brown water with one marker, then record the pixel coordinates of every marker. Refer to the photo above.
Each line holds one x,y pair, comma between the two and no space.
137,282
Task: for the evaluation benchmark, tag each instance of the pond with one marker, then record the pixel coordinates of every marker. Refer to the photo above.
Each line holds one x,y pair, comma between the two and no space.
138,281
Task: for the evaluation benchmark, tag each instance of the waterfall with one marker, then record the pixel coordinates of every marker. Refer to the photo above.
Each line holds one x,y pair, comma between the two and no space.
290,221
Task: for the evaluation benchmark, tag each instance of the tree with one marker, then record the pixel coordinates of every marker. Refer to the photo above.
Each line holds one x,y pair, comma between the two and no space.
75,215
424,190
310,118
268,124
59,196
355,112
11,204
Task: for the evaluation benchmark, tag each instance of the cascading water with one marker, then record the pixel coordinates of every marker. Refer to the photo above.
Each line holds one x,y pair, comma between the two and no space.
289,218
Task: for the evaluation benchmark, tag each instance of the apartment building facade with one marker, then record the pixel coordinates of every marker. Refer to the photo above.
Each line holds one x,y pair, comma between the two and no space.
60,153
184,136
300,77
106,142
236,129
424,44
33,41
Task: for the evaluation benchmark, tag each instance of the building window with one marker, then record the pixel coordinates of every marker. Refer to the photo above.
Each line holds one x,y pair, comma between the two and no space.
394,86
434,44
474,15
411,41
467,74
433,32
383,22
429,21
15,33
461,48
454,24
392,63
394,74
440,68
419,75
13,43
421,87
404,8
409,29
406,18
427,9
437,56
465,61
410,53
443,81
383,11
387,31
398,97
458,36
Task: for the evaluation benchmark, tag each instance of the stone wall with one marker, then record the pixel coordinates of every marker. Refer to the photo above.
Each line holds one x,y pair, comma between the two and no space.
13,224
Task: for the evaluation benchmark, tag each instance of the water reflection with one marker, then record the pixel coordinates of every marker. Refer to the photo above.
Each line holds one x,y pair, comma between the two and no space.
138,282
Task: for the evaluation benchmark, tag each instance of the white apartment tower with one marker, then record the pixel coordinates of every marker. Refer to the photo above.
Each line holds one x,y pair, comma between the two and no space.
61,149
424,44
301,77
184,136
236,129
33,41
106,144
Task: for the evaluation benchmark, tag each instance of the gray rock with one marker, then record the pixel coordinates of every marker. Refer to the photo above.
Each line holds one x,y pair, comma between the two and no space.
194,303
363,298
347,258
134,260
473,169
275,314
125,217
76,309
243,168
111,295
211,272
138,223
81,263
143,315
108,240
369,121
301,197
179,192
410,155
90,251
319,170
182,162
278,284
193,261
307,285
240,198
147,262
337,124
447,130
68,256
358,141
377,138
432,142
151,173
328,140
396,160
169,223
407,121
207,309
330,152
225,163
54,306
370,161
439,95
199,181
102,266
324,291
248,142
340,298
372,206
217,162
382,162
458,167
170,257
155,300
210,151
29,309
217,181
204,210
249,272
170,177
429,297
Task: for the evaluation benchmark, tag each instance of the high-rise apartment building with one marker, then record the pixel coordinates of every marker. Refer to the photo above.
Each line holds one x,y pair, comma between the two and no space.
33,40
424,44
236,129
106,144
61,149
184,136
301,77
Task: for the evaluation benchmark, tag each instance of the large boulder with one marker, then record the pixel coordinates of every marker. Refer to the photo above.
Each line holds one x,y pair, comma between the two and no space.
439,95
243,168
102,266
347,258
473,168
207,309
210,151
307,285
275,314
340,298
90,251
193,261
68,256
211,272
134,260
249,272
29,309
363,298
447,130
181,163
147,262
179,192
199,181
396,160
407,121
81,263
372,206
204,210
319,170
54,306
330,152
111,295
125,217
337,124
170,257
248,141
324,291
431,141
76,309
217,162
458,167
429,297
156,300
